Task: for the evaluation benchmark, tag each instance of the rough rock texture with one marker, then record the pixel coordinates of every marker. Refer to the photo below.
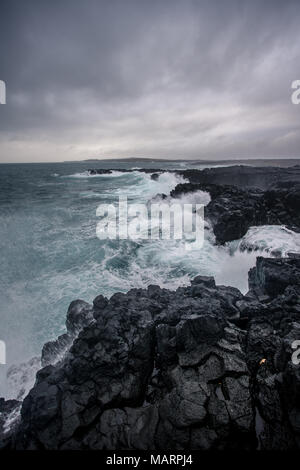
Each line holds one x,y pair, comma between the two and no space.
232,211
273,276
100,171
9,416
241,196
243,176
203,367
19,377
79,315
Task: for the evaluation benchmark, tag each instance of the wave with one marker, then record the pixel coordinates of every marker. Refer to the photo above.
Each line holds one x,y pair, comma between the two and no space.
197,197
12,419
266,240
275,240
63,259
131,264
140,187
88,174
21,378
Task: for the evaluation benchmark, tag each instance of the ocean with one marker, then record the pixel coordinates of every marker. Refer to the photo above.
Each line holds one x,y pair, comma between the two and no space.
50,254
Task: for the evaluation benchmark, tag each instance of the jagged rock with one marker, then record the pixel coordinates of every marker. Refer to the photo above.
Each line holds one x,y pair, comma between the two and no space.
191,369
110,366
174,370
232,210
240,176
241,196
244,176
273,276
21,377
125,428
53,351
101,171
207,281
9,415
79,315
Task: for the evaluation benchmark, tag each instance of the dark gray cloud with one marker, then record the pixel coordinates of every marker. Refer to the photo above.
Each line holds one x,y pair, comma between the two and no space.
161,78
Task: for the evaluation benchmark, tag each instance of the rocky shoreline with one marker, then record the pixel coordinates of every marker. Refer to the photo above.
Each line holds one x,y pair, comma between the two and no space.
232,211
241,176
241,196
203,367
200,368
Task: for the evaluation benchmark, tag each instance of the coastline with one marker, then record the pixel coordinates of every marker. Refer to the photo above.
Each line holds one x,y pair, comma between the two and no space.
201,367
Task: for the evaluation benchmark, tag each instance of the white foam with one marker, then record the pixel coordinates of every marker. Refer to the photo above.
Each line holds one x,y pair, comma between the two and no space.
265,240
66,260
197,197
21,378
141,187
276,240
87,174
12,419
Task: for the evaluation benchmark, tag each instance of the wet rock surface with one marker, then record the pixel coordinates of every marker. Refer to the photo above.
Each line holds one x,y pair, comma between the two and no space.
243,176
241,196
9,417
174,370
232,211
203,367
100,171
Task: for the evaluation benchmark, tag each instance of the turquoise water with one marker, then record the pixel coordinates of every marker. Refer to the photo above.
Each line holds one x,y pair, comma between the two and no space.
50,254
49,250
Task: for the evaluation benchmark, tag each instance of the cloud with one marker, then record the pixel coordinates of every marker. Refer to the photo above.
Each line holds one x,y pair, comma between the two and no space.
168,78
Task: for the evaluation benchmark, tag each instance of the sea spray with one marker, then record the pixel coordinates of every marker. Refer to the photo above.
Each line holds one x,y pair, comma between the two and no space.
50,254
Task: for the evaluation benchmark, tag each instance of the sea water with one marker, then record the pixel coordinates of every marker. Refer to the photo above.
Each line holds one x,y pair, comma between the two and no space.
50,254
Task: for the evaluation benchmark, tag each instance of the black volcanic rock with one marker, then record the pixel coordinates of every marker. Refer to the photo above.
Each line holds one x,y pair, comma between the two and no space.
203,367
9,415
79,315
163,370
243,176
100,171
241,196
272,328
207,281
273,276
232,211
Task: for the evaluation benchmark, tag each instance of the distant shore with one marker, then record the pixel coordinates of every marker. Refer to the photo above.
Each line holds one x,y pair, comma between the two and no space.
280,162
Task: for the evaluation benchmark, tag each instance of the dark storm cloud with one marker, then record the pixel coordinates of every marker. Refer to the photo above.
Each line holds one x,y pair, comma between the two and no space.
170,78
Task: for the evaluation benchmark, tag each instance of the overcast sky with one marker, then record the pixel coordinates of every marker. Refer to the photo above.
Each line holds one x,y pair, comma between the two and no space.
141,78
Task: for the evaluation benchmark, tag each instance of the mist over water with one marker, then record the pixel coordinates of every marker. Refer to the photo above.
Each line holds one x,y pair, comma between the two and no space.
50,254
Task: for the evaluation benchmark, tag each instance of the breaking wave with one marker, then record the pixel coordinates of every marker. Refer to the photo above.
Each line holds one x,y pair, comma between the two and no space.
275,240
50,255
88,174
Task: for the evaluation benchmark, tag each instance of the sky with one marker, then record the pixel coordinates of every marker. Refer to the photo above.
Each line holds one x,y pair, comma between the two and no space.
178,79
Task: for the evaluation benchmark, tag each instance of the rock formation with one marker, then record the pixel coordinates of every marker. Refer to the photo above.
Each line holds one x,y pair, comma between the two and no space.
203,367
232,211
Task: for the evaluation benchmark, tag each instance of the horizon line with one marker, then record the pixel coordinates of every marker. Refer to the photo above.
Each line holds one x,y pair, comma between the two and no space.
156,159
